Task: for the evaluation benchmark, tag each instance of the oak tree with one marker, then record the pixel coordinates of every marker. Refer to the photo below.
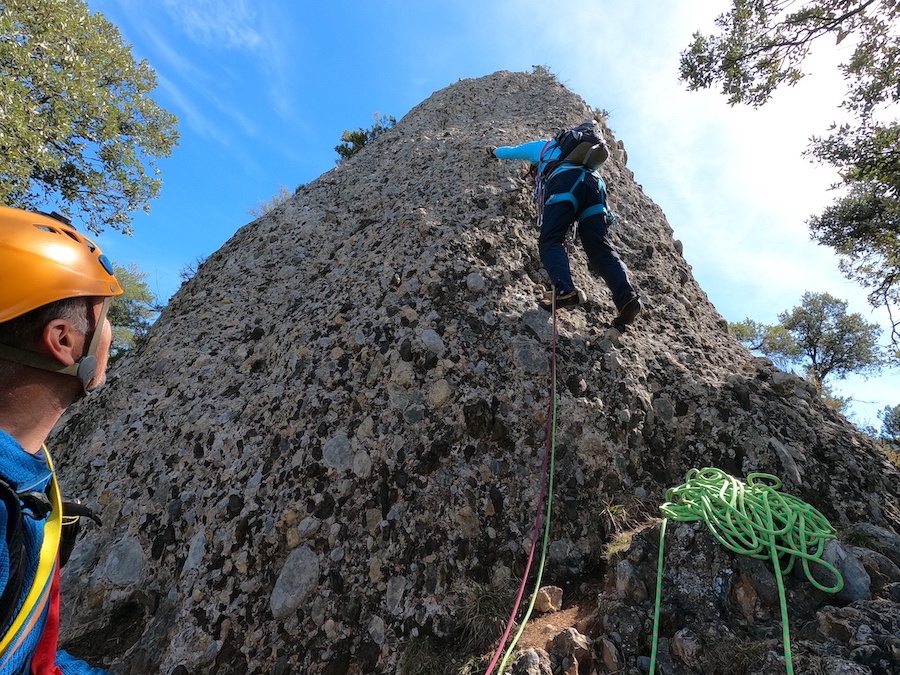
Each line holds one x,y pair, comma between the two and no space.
761,45
78,129
820,336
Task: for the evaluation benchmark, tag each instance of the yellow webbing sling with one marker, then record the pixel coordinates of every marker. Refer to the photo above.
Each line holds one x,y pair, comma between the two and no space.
39,594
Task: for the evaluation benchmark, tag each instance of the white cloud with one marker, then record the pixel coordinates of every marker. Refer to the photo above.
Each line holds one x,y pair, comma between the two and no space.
733,181
216,23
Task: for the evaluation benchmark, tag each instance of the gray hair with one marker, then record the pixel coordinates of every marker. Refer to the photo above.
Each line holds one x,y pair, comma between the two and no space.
24,332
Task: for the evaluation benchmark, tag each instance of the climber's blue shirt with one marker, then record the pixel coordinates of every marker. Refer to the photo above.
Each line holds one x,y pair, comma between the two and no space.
532,152
528,152
28,472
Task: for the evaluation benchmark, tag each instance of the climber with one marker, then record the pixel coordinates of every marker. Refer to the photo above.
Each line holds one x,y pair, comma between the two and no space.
55,290
566,191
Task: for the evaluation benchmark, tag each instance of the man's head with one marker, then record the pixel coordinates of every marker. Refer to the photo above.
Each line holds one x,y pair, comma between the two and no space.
55,288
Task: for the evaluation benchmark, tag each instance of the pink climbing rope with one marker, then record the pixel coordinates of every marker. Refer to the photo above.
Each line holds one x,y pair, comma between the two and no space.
539,516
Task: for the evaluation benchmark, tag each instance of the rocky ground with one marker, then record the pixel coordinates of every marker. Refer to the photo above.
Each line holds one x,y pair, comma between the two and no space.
721,613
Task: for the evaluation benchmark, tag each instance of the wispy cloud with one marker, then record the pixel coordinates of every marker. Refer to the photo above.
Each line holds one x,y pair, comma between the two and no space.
221,23
733,181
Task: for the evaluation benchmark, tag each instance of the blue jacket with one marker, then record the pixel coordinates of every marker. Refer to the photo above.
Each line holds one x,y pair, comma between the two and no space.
528,152
29,472
534,152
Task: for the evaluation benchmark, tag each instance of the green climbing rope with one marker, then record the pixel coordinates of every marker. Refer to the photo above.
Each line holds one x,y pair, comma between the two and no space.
752,519
546,541
542,517
550,470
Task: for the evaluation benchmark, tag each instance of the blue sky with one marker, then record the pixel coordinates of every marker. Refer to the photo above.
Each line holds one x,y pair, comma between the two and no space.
263,91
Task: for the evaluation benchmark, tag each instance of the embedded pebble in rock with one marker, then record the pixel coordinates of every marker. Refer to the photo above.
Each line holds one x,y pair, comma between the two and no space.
125,562
291,483
297,579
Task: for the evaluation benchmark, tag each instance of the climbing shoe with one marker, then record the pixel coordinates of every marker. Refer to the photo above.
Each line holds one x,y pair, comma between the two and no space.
627,313
563,300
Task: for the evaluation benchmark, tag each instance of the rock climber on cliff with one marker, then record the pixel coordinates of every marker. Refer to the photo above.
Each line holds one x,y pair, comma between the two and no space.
568,188
55,290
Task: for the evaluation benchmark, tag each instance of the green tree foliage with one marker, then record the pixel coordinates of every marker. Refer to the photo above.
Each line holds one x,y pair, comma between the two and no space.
132,312
762,45
78,130
773,341
863,226
890,426
820,336
354,141
833,341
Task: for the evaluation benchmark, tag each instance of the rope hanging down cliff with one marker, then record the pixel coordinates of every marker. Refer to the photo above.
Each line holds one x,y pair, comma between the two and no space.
752,519
542,517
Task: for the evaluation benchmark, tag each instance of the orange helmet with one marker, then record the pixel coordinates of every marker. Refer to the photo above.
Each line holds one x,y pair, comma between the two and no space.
43,259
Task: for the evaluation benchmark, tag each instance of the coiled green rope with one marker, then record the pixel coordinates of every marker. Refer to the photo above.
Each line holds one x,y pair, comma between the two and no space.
752,519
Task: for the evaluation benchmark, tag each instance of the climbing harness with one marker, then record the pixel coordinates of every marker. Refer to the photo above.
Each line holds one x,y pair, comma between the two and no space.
752,519
542,201
542,518
570,195
39,595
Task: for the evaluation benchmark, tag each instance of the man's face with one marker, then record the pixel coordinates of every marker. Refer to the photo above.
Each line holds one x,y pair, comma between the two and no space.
103,347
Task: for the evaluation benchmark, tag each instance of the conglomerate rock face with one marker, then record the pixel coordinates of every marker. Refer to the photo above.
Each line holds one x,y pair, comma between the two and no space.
336,428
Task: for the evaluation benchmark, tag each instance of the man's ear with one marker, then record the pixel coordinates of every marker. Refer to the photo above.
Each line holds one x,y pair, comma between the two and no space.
62,341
